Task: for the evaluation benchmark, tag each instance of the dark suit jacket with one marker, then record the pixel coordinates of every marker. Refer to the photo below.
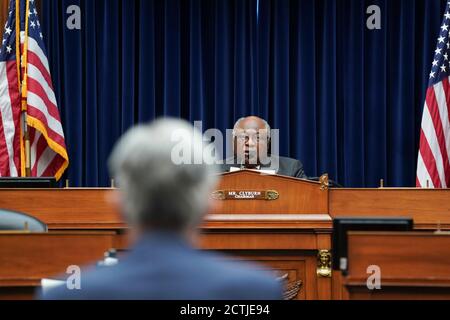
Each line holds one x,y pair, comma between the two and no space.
162,266
286,167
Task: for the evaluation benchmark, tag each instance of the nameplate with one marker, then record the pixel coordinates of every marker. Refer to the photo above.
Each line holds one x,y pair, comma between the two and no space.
245,195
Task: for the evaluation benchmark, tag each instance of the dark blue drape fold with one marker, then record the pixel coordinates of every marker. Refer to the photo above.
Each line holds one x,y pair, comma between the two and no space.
347,100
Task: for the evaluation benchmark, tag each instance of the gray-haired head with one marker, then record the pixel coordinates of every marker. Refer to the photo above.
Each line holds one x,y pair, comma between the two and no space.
237,125
157,192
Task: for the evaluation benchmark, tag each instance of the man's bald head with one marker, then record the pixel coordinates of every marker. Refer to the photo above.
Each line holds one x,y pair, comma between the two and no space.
252,122
252,138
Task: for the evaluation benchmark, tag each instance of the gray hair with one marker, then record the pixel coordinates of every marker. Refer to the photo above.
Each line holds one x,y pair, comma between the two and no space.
238,123
157,192
266,127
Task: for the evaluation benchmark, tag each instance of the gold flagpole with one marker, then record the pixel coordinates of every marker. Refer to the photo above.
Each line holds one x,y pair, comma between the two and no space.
19,87
24,93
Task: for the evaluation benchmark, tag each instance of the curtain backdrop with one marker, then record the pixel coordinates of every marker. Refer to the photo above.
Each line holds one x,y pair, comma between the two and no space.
347,100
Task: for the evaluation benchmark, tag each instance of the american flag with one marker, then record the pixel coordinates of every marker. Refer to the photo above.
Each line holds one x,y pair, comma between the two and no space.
433,166
48,153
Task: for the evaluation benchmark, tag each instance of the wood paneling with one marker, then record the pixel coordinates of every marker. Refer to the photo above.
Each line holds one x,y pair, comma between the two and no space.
33,256
429,208
298,224
296,196
71,208
3,13
27,258
412,264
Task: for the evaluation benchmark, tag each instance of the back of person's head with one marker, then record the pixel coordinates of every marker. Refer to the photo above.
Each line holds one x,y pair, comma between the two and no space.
162,175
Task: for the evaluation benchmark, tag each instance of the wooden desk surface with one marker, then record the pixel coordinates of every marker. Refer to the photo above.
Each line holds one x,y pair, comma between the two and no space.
88,208
249,225
71,208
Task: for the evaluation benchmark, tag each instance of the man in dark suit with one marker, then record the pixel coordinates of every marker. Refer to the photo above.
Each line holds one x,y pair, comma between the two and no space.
252,150
164,197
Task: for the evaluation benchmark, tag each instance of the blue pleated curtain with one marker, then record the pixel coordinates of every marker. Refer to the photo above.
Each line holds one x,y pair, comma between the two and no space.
347,100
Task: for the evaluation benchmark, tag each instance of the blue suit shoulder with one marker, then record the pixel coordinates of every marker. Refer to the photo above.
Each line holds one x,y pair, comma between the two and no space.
241,280
177,274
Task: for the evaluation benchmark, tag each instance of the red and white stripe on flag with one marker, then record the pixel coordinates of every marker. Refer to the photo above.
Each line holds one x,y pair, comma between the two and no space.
48,152
433,166
9,120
